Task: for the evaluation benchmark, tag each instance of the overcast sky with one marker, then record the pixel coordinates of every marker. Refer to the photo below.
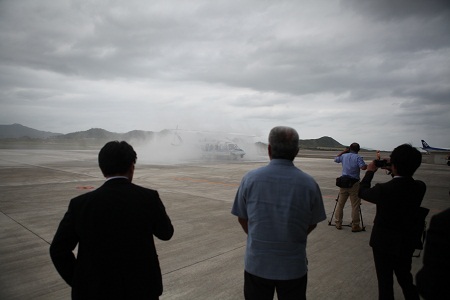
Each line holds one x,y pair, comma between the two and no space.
373,72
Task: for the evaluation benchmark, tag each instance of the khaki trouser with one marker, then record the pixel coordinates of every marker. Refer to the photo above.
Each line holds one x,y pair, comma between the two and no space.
344,193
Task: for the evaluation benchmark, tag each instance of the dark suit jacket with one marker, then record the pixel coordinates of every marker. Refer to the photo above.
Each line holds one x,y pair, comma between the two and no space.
113,227
398,202
433,280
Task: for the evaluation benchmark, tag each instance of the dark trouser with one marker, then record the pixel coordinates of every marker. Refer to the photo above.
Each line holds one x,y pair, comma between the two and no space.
386,264
257,288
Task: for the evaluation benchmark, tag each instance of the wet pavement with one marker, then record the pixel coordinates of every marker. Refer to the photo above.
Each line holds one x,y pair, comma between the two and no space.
204,259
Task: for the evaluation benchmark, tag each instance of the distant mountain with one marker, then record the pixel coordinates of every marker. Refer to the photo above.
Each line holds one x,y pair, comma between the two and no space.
324,142
98,135
92,134
16,131
104,135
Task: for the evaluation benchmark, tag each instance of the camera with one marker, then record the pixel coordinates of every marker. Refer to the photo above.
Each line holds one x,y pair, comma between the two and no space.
382,163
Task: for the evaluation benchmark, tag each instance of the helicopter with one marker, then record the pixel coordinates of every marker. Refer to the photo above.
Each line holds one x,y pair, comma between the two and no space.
211,148
221,149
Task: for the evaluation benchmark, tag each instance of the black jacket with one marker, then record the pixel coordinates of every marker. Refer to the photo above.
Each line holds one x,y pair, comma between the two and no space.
113,227
434,278
398,202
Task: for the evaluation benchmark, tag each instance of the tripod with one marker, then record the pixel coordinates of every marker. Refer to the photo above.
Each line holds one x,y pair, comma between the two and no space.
349,225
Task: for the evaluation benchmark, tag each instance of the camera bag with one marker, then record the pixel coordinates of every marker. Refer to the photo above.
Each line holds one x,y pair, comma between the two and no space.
345,182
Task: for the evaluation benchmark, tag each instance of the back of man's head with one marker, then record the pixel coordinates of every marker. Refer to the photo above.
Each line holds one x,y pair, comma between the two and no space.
283,142
354,147
406,159
116,158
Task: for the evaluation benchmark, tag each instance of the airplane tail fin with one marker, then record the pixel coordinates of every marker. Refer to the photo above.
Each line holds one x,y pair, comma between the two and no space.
425,145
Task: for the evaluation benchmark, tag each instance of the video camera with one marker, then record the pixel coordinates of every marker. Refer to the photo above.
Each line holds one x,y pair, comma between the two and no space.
382,163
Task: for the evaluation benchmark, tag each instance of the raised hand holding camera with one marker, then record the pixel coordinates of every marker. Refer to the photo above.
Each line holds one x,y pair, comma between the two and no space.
382,163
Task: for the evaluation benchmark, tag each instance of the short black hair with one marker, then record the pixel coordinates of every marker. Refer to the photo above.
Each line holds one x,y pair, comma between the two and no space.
355,147
116,158
284,142
406,159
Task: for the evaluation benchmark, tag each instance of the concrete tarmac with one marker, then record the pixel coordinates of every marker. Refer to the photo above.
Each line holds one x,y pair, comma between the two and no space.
204,259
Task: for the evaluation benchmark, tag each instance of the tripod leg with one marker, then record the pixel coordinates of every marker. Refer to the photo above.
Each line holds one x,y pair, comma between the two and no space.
331,219
362,222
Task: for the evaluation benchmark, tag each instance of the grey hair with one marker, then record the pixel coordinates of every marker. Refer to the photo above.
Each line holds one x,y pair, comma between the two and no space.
284,142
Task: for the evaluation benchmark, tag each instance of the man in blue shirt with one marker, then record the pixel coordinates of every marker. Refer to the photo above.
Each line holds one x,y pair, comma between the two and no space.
278,205
352,163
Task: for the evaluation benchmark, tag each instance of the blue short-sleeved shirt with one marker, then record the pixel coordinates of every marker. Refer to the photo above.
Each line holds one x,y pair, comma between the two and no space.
280,202
351,164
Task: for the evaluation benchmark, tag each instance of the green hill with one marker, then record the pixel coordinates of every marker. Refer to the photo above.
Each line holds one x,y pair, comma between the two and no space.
324,143
17,134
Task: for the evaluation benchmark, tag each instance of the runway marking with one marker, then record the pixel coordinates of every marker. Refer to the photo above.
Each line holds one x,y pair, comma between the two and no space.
204,181
203,260
25,227
49,168
85,187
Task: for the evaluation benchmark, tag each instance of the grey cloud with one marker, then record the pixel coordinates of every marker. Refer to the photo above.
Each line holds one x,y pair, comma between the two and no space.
159,42
255,61
394,9
439,95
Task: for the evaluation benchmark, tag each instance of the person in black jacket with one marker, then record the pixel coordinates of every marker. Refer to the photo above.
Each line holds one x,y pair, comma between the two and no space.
397,209
434,278
113,228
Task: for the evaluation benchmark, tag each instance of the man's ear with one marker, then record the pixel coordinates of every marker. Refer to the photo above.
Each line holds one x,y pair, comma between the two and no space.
394,170
130,172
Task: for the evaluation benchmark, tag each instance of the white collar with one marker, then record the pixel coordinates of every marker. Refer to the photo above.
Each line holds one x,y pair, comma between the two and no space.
116,177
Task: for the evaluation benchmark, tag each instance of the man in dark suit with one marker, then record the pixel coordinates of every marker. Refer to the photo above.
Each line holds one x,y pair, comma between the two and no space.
393,233
434,278
113,227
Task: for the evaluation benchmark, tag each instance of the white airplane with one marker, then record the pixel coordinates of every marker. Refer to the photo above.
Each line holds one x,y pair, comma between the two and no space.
428,148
